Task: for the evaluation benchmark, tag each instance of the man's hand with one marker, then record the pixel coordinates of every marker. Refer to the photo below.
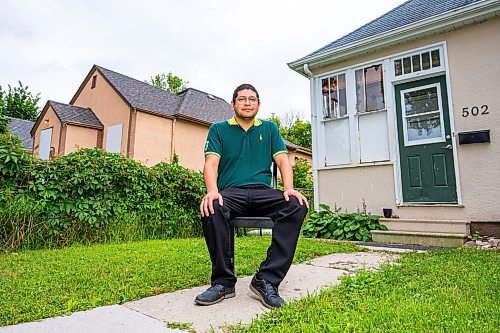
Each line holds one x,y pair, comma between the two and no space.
206,206
302,199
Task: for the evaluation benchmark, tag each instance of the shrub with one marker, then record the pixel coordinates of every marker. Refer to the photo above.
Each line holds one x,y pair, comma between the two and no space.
341,226
91,195
14,165
302,175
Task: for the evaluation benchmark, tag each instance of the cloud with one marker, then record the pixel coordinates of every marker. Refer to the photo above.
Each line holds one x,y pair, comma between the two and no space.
215,45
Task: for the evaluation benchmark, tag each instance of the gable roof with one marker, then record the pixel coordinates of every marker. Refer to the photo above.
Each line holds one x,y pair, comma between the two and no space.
413,17
70,114
22,128
141,95
190,103
75,115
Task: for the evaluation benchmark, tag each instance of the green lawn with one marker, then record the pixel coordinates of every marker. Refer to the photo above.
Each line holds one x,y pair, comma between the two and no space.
439,291
47,283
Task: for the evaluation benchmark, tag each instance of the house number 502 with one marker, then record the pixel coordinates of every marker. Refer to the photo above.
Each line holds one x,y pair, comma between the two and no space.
475,110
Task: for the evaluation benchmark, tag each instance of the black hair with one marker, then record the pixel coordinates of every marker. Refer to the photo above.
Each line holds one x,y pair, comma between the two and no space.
243,87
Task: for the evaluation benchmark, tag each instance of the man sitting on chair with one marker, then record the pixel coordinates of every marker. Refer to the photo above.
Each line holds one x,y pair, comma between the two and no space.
238,157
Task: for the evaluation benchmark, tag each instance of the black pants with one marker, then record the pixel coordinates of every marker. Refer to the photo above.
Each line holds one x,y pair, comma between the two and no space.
253,201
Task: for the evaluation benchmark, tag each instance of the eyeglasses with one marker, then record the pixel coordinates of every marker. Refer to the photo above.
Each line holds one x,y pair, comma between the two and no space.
244,100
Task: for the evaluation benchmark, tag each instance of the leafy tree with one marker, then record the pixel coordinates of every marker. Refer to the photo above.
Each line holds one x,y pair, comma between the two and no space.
4,128
293,129
302,176
168,82
3,121
19,102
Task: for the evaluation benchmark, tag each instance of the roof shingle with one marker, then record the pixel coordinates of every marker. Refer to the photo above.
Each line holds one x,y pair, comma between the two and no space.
74,114
190,102
200,105
410,12
22,128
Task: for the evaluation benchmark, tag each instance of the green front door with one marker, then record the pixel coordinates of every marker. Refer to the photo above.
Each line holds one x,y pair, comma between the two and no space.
425,145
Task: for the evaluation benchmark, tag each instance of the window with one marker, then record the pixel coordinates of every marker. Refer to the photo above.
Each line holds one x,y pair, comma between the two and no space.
45,143
337,142
334,96
94,81
417,62
369,89
114,138
422,115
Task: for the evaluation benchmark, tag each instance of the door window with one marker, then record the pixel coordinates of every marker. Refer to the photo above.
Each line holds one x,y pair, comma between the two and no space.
422,115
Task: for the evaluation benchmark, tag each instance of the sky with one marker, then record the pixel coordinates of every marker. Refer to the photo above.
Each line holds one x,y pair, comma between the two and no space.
51,45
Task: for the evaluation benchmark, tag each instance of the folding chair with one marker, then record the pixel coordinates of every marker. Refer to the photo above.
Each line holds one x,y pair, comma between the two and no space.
255,221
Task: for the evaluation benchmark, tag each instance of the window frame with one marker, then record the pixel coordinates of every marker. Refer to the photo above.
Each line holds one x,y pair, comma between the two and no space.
337,109
363,69
441,138
351,116
422,72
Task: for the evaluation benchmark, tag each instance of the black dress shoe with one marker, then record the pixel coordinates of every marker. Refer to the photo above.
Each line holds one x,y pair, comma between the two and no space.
214,294
267,292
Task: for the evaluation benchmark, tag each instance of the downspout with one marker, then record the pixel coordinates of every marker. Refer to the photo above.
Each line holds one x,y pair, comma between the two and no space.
314,131
308,71
172,148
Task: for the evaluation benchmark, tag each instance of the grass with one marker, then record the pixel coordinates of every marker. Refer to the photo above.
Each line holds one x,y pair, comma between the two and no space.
47,283
439,291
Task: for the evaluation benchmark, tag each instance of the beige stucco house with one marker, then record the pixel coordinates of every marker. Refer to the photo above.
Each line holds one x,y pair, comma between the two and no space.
120,114
404,117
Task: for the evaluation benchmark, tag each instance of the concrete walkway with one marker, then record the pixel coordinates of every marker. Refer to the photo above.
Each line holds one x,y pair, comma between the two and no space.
153,314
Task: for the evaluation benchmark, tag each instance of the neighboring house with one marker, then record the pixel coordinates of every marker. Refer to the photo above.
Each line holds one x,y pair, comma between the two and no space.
405,117
121,114
296,152
22,128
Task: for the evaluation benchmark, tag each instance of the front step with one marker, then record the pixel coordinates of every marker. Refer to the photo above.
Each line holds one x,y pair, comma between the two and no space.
438,226
431,239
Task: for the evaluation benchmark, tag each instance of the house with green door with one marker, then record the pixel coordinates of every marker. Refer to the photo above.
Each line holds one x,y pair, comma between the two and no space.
405,115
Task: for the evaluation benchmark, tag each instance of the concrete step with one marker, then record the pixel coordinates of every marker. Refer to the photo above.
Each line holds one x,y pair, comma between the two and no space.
431,239
439,226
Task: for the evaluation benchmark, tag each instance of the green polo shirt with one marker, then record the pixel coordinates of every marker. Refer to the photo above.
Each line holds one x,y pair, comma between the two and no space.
245,157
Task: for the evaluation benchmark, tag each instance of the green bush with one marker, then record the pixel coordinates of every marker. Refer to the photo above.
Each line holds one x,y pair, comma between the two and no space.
341,226
14,165
91,196
302,175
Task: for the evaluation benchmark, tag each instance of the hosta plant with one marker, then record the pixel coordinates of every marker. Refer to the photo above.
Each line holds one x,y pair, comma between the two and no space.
341,226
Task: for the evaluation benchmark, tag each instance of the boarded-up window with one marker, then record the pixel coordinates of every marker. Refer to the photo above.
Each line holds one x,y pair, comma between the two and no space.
373,139
114,138
337,142
45,143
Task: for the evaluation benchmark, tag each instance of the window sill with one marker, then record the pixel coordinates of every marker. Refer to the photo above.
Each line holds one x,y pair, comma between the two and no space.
359,165
361,114
430,204
334,119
